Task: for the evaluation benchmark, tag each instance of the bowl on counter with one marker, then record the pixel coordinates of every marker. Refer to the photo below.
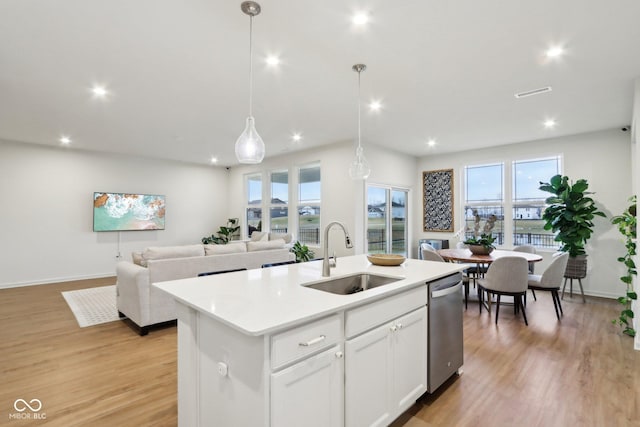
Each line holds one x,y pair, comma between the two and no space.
386,259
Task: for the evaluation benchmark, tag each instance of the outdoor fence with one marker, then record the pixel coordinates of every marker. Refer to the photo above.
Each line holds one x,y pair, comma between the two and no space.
535,239
376,239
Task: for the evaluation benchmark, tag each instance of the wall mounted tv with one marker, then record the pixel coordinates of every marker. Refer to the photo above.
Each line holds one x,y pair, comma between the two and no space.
127,212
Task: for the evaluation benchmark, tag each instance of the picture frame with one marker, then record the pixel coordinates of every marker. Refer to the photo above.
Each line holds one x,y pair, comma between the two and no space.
437,200
128,212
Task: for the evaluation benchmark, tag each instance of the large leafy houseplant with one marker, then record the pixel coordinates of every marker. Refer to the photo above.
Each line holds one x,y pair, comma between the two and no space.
627,226
569,213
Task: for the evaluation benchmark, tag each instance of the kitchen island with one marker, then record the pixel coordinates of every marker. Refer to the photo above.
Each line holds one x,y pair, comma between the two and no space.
257,348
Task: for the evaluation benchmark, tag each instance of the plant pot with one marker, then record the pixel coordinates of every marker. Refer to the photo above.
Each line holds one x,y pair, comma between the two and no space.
480,250
576,267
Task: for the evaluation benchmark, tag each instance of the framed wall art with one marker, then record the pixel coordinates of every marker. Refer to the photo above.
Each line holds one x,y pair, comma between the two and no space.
437,200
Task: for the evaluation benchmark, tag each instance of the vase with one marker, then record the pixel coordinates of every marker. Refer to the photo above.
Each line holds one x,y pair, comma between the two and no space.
480,250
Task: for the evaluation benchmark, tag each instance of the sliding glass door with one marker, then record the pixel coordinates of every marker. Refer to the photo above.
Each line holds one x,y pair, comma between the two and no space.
387,220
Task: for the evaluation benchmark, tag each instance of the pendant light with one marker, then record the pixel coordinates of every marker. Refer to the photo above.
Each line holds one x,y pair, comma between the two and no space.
359,168
249,146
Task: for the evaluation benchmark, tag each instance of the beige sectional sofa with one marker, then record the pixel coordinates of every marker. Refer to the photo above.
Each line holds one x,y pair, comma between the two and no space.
146,306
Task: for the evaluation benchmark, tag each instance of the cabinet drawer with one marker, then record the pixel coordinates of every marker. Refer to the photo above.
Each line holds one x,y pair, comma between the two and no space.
298,342
368,316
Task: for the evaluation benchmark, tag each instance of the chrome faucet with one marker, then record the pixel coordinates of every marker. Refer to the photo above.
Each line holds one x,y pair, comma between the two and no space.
326,262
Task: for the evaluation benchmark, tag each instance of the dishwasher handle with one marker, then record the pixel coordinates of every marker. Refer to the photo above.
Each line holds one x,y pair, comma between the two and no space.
446,291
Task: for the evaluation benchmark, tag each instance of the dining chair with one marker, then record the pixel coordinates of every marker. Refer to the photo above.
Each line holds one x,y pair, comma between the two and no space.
209,273
550,280
506,276
275,264
429,255
426,247
530,249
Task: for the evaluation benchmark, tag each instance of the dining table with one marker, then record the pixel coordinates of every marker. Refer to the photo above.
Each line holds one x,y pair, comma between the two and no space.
466,256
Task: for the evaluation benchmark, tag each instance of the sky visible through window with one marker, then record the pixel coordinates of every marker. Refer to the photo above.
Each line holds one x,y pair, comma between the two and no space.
527,176
484,183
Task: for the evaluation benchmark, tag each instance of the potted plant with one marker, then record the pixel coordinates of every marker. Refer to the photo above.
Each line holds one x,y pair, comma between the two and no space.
570,213
482,242
224,235
482,245
302,252
627,226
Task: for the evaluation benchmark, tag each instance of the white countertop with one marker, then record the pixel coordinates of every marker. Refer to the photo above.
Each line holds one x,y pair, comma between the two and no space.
262,301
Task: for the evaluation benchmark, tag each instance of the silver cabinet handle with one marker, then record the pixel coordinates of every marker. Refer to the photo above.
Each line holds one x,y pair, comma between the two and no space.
313,341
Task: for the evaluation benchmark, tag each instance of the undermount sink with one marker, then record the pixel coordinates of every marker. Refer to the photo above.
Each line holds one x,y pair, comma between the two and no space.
352,284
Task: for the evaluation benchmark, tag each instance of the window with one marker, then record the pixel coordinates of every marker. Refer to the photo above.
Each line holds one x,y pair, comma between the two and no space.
529,201
484,197
275,213
279,208
254,203
309,205
518,207
386,220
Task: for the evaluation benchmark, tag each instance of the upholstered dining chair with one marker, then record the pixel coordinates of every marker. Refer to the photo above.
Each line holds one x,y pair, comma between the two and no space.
432,256
275,264
211,273
429,255
506,276
550,280
530,250
426,247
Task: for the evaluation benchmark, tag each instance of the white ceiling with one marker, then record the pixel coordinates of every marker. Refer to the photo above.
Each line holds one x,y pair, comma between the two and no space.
178,73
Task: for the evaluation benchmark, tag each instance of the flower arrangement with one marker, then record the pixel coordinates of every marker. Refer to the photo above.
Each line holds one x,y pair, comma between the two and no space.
482,238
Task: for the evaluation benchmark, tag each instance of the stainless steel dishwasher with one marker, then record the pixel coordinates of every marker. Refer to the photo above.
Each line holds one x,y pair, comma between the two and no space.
445,330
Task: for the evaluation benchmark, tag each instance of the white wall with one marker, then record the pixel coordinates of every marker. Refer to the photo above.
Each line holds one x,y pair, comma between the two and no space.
46,217
342,198
602,158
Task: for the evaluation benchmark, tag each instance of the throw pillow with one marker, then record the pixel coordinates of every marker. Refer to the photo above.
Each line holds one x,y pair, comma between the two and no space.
137,259
263,246
287,237
259,236
229,248
165,252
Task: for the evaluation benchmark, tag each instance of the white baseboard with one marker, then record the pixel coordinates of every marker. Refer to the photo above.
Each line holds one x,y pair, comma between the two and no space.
55,280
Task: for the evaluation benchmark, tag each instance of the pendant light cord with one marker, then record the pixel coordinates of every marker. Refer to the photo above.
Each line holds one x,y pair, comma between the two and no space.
358,108
250,65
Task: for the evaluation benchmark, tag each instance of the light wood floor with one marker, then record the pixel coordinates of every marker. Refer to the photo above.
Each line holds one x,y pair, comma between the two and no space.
579,372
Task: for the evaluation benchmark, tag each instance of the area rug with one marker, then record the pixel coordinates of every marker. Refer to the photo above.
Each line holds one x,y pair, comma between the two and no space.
93,306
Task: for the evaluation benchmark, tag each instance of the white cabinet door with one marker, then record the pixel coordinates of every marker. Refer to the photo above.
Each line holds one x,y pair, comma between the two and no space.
311,392
368,378
409,343
386,370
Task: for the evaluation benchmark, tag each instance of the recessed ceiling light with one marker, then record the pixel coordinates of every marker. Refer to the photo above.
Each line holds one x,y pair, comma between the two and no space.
549,123
99,91
431,142
360,18
214,160
375,105
65,140
554,52
296,137
273,61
